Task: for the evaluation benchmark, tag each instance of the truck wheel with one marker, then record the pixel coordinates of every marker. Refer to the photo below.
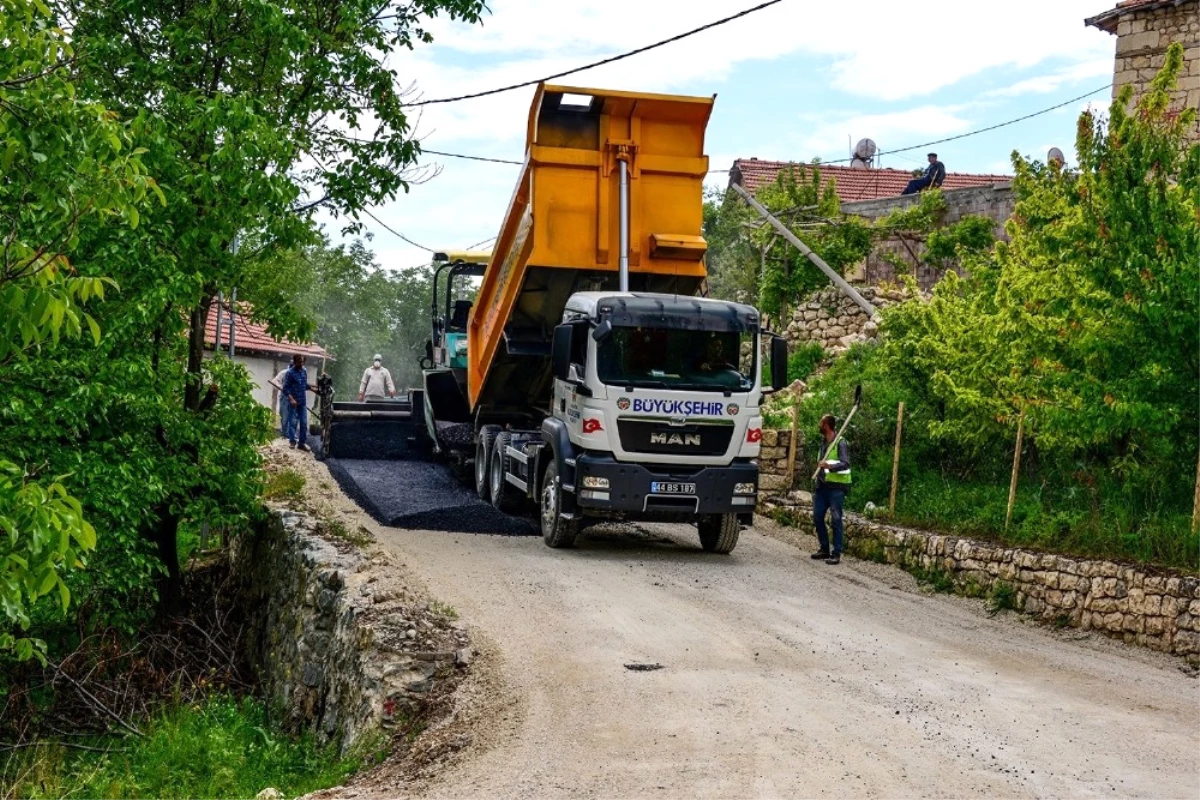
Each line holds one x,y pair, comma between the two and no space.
719,532
557,531
504,494
483,454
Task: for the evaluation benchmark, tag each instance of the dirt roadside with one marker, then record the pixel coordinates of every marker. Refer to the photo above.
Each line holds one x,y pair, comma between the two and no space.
780,677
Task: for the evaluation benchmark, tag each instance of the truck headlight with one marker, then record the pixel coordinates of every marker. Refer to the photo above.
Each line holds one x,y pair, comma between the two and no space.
594,482
743,488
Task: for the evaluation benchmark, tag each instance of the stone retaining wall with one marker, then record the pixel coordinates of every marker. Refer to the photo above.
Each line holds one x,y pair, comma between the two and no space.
1154,608
339,649
832,320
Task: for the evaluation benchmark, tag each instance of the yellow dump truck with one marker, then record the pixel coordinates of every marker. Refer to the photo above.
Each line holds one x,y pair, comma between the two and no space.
597,385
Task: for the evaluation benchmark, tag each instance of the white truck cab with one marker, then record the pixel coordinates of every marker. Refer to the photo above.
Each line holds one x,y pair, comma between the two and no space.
654,415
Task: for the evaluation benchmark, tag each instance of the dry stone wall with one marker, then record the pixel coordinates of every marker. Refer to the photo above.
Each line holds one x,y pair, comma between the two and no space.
1154,608
340,649
832,320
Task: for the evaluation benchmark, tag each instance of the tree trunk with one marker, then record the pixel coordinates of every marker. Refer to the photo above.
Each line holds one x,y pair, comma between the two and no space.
166,538
199,318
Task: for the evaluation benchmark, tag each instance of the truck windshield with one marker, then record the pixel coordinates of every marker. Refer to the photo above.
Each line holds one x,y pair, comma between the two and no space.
677,359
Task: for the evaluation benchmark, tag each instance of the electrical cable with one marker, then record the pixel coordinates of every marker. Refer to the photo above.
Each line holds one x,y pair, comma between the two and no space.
600,63
395,232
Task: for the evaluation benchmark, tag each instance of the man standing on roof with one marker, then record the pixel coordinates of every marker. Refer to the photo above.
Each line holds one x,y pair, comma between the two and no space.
296,388
833,481
935,173
376,382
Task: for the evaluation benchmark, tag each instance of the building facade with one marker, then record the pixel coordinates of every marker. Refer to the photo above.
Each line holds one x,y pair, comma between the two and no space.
1144,29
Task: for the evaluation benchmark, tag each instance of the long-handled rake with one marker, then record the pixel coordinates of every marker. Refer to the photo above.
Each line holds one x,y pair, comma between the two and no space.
846,422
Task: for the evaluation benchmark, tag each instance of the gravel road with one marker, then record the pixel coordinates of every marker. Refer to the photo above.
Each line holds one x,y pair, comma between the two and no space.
783,677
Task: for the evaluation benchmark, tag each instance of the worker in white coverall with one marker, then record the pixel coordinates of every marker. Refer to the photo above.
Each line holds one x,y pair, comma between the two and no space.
376,381
281,399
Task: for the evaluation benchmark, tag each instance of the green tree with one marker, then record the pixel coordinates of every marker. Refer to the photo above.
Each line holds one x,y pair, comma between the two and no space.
253,116
1086,319
62,161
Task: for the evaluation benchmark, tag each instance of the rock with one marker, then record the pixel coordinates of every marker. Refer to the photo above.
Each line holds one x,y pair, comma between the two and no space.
463,656
412,633
269,793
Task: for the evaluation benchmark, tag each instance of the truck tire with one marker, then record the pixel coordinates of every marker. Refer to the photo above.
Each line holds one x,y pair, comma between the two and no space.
504,494
719,532
556,530
483,459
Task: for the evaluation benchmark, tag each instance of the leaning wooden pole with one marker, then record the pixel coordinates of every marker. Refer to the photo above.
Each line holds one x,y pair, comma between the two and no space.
896,458
783,230
1196,503
793,445
1012,486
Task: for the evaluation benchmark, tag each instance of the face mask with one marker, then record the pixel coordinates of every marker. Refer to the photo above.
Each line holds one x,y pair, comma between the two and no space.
377,363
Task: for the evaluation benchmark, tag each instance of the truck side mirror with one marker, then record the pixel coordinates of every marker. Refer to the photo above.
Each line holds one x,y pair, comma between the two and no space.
560,352
601,331
779,362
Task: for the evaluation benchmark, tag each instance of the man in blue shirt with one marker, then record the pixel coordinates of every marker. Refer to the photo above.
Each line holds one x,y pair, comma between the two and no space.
295,389
935,173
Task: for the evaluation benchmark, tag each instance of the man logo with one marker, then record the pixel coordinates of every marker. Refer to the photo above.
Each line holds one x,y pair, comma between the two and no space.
685,439
733,409
623,404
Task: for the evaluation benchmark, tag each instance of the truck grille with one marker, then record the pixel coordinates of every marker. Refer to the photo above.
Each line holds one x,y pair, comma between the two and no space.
652,436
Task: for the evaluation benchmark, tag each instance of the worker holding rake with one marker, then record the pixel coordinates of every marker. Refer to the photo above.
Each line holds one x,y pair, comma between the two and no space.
832,483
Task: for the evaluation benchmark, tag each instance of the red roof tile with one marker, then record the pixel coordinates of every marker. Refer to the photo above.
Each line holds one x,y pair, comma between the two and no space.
1107,20
253,338
850,184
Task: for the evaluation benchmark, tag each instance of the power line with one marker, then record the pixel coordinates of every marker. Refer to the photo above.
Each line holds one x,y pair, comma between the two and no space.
473,158
897,151
600,63
395,232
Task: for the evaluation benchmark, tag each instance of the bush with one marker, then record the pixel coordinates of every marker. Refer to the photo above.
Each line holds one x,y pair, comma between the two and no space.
803,361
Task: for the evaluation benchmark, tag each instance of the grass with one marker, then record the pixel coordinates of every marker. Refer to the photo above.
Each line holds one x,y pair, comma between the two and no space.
804,360
223,748
443,610
1002,597
286,484
337,529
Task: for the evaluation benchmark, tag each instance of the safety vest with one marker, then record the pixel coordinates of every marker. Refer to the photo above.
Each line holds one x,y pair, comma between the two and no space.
841,477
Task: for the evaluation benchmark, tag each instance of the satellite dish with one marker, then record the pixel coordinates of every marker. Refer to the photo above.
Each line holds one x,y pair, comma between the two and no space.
1055,155
864,154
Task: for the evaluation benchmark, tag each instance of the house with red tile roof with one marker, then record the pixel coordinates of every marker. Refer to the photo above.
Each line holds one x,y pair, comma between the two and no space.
852,184
260,352
1144,29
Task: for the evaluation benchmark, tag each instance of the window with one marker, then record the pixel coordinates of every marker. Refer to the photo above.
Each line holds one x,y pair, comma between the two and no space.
676,359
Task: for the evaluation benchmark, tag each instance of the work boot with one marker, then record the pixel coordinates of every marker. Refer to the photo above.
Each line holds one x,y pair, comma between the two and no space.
834,558
303,447
820,555
292,445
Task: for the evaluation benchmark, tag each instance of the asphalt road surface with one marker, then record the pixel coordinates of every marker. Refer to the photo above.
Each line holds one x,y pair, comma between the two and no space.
785,677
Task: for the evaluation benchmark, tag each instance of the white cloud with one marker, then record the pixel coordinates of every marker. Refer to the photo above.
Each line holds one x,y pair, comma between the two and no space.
877,50
1096,68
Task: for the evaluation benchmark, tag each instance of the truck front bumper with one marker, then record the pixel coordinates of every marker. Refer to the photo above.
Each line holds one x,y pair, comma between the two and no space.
603,483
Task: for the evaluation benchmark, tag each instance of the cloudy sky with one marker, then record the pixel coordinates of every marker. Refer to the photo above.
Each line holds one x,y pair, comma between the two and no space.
795,81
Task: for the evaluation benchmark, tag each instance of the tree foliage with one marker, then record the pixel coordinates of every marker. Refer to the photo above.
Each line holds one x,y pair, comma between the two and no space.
359,309
249,116
1086,320
63,161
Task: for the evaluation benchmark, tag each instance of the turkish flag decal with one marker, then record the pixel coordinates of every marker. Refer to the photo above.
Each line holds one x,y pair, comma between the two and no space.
754,435
592,425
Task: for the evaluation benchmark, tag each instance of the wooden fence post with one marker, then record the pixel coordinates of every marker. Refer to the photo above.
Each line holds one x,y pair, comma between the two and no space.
792,445
1012,486
1196,503
896,458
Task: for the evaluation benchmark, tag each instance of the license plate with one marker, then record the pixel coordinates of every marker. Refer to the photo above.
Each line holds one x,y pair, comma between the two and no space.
658,487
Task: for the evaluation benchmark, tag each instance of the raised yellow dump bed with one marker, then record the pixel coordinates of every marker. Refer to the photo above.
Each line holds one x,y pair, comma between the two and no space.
561,232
